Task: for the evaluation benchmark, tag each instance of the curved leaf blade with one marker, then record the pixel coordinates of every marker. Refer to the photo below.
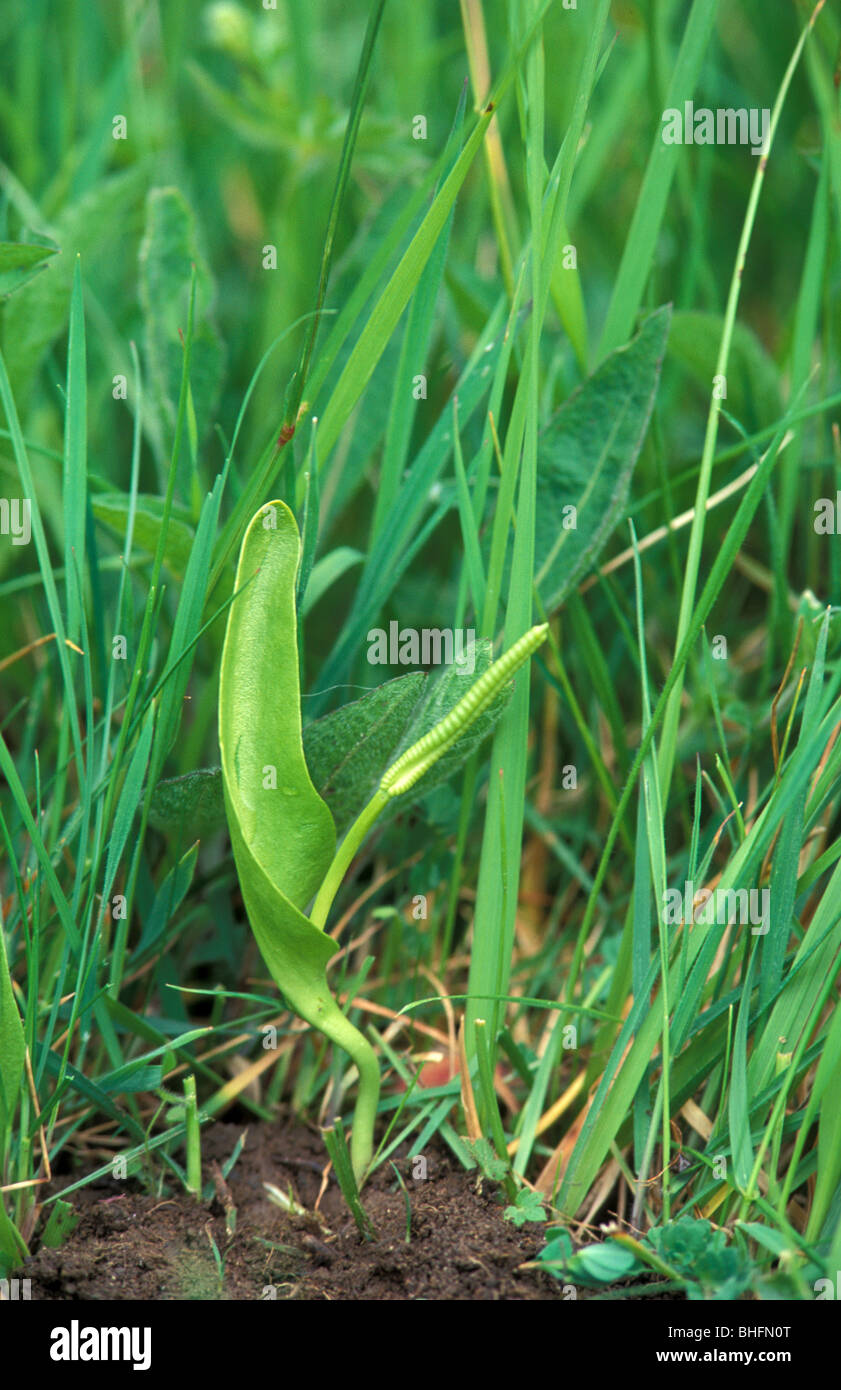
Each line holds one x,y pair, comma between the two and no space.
282,833
587,455
287,827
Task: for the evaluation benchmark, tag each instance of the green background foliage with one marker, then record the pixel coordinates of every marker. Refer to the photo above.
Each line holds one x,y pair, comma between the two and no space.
270,254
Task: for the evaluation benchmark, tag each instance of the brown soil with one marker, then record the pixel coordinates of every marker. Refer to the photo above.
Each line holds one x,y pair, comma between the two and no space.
130,1245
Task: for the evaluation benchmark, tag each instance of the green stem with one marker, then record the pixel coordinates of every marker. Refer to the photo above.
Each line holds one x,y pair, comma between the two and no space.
193,1133
323,1013
339,1029
408,769
344,856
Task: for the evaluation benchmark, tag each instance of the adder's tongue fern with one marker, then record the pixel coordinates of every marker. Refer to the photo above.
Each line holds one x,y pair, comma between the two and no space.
417,760
282,832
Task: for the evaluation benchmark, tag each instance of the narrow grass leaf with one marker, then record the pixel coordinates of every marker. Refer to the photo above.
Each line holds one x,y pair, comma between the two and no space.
641,241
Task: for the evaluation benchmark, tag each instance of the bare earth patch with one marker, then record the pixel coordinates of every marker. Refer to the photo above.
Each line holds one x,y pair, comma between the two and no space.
129,1245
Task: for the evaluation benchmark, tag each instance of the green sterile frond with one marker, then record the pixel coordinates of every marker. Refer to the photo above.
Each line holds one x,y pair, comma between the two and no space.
282,832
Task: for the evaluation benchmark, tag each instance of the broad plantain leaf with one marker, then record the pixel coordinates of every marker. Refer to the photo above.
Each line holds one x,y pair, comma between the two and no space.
112,509
753,388
586,458
34,318
192,804
442,692
167,257
348,750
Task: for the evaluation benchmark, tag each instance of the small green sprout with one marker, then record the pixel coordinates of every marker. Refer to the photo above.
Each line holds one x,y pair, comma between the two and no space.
282,832
527,1206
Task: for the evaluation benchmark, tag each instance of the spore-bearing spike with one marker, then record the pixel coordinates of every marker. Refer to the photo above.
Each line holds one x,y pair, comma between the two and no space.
411,765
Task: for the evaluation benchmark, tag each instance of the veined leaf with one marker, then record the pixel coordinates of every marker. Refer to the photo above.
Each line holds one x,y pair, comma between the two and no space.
167,257
112,509
441,694
348,750
753,388
33,319
193,803
586,457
